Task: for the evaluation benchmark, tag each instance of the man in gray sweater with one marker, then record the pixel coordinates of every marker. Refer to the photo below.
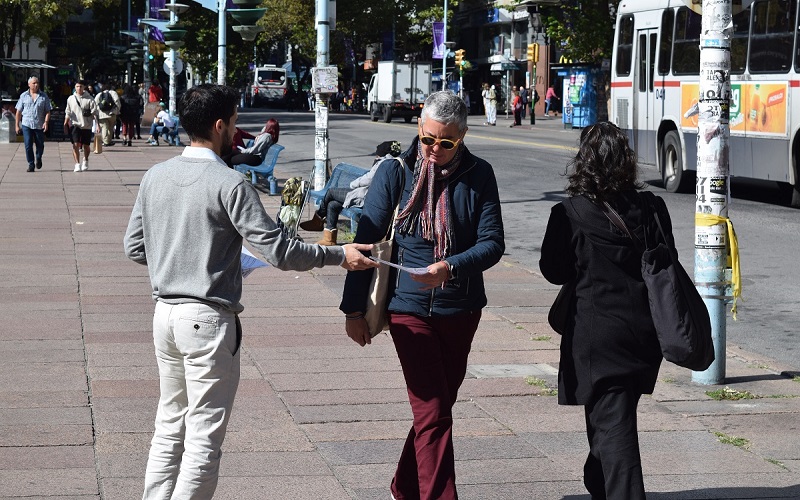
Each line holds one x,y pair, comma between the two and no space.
187,226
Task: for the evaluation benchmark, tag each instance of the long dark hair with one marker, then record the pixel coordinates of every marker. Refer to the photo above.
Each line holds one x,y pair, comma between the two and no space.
605,164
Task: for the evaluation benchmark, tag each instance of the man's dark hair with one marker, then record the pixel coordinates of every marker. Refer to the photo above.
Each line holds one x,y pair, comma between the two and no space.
201,107
605,164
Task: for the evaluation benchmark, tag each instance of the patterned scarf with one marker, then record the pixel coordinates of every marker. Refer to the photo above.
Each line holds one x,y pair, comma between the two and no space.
429,204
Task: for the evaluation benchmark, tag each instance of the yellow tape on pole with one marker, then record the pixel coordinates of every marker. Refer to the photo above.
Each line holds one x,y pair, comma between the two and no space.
733,248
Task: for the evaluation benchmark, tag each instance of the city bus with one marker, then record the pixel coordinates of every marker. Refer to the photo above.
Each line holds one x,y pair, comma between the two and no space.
655,85
270,86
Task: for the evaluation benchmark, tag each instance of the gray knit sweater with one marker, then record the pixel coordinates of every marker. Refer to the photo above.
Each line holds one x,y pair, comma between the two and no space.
187,226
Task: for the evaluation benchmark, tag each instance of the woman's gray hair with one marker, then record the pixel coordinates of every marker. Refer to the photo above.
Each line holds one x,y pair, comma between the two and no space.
447,108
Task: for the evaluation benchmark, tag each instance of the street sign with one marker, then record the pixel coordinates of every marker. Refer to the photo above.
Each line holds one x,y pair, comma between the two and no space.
178,65
325,80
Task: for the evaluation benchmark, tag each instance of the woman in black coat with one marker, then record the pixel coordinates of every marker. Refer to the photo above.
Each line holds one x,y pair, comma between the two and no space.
610,354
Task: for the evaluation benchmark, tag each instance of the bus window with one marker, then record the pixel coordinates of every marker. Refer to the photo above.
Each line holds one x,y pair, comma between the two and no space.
741,37
772,36
271,76
625,46
686,56
642,74
665,50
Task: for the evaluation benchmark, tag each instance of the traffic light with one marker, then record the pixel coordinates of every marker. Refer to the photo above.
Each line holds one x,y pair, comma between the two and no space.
459,57
533,52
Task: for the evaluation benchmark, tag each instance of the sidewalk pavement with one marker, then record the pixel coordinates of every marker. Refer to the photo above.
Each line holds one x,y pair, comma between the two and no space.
316,416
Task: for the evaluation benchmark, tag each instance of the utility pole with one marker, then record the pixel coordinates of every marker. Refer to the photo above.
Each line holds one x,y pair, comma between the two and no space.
444,59
171,61
146,61
321,108
715,240
222,41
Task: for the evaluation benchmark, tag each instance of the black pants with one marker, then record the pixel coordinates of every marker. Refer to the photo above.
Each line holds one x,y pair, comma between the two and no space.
331,206
242,159
613,469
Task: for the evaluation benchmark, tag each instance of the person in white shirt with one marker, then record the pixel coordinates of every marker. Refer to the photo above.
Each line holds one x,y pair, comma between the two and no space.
80,115
162,123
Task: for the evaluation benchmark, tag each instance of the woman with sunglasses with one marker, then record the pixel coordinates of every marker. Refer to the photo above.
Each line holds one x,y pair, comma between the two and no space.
448,223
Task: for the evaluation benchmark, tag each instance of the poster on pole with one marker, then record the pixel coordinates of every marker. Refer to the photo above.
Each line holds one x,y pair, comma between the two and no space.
325,80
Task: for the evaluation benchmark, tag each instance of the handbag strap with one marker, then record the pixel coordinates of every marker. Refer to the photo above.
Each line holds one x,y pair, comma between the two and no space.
402,165
654,208
615,219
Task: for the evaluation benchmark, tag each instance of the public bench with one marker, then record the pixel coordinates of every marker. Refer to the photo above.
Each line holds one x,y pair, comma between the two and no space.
341,177
265,169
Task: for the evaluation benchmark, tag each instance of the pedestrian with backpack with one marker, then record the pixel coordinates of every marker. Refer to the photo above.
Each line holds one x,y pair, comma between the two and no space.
109,107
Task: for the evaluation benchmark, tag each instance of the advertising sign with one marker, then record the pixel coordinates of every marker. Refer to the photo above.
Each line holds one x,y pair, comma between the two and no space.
756,107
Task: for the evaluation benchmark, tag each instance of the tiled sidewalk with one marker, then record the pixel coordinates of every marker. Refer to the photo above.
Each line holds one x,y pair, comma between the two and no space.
316,416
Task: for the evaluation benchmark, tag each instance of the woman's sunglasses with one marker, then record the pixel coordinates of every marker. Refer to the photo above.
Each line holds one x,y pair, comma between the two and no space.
447,144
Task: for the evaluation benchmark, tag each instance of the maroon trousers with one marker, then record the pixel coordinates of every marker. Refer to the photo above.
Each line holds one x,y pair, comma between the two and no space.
433,352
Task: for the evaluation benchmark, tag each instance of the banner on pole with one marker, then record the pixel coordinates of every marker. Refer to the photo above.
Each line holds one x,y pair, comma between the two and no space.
438,40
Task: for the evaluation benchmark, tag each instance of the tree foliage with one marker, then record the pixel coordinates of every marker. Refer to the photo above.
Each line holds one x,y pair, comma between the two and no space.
35,19
358,23
584,28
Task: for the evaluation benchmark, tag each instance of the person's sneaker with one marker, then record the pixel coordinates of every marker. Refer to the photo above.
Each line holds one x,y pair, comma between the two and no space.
30,168
77,167
84,165
39,163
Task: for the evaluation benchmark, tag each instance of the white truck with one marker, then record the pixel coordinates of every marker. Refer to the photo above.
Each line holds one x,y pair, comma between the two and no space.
398,89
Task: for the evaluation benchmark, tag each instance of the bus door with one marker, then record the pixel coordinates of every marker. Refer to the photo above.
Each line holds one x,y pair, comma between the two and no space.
645,120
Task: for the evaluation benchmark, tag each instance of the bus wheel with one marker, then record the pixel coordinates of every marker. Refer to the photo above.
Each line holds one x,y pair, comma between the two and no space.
672,173
387,114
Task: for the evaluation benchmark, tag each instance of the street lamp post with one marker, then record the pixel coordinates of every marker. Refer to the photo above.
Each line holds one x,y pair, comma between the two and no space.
173,38
536,24
222,41
444,37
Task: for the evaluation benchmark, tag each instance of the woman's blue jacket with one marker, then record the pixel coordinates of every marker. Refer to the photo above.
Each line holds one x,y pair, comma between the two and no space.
477,246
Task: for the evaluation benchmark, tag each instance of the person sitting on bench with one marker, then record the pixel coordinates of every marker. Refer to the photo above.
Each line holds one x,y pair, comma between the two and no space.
162,123
327,215
254,155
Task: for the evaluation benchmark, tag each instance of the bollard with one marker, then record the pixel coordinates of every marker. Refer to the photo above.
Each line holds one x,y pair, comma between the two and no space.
273,185
8,130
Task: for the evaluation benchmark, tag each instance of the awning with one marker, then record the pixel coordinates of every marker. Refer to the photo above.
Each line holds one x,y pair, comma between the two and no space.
26,64
504,66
